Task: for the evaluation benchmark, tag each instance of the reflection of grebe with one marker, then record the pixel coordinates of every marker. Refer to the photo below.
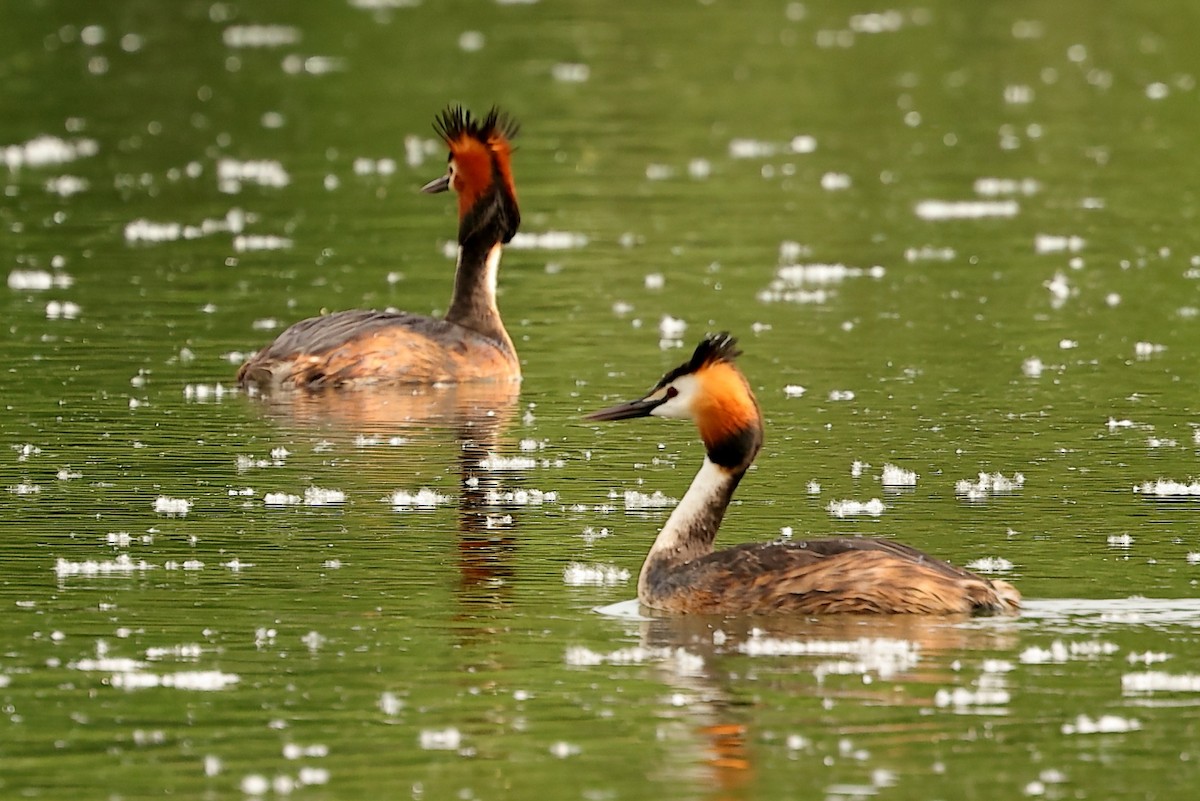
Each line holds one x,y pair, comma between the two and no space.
368,347
682,573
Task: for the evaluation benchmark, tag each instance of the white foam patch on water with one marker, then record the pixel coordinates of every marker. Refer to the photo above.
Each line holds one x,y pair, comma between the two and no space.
1050,243
172,507
188,651
1105,724
143,230
987,484
390,704
895,476
250,242
1156,681
680,659
496,462
1168,488
578,574
312,65
233,173
841,395
851,508
1144,350
423,498
964,698
882,656
45,150
793,391
1059,652
278,455
38,280
260,35
67,185
121,565
281,499
318,496
207,393
990,564
365,166
62,310
966,209
638,501
24,488
995,187
448,739
198,680
929,253
531,497
548,240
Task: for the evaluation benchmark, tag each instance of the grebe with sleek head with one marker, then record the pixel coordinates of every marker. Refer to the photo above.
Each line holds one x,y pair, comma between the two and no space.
358,347
682,572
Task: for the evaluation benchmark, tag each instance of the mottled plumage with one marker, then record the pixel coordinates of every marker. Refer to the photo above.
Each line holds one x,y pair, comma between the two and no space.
356,348
683,574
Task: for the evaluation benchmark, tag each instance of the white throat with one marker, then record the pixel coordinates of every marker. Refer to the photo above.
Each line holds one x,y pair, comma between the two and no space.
690,530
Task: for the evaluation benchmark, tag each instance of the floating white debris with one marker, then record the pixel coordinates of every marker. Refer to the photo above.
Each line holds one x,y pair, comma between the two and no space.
281,499
637,501
813,488
1114,424
172,507
895,476
966,209
929,253
43,151
62,310
184,651
877,22
260,35
533,497
671,327
1048,243
38,280
1105,724
835,181
200,680
1059,288
797,274
992,187
990,564
243,243
122,565
317,496
849,508
793,391
683,661
567,72
857,468
562,749
1033,367
313,65
880,655
548,240
577,574
204,393
67,185
803,143
423,498
1120,541
390,704
365,166
699,169
24,488
143,230
1155,681
495,462
1144,350
441,739
1166,488
988,484
751,149
841,395
1060,652
232,174
963,697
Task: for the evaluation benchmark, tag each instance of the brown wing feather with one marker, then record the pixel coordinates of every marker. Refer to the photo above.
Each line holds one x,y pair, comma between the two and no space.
843,575
369,347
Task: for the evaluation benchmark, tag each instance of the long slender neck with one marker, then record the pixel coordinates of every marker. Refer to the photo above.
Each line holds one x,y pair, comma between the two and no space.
473,304
690,530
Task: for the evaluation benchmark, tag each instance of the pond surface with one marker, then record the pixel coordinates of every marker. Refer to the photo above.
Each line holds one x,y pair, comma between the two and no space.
957,239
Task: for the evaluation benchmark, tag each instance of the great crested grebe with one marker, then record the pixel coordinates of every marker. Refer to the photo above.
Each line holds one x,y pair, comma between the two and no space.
470,344
682,573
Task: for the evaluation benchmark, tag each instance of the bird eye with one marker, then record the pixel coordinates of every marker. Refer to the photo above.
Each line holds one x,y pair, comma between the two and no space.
671,392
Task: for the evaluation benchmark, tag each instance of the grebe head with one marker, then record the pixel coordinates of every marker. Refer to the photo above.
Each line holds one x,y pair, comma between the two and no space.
710,390
480,171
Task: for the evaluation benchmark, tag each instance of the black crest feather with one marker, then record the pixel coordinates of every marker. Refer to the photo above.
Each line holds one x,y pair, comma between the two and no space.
455,122
720,347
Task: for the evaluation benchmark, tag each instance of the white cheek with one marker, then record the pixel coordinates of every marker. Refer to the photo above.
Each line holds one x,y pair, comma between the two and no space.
680,406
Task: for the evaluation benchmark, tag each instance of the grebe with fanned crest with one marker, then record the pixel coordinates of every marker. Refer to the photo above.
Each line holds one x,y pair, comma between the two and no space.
359,347
682,572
